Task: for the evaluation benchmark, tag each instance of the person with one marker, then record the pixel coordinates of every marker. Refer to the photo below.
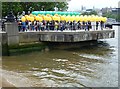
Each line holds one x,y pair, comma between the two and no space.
93,25
23,26
102,25
60,26
89,25
47,26
67,25
39,26
56,25
71,25
36,25
86,26
97,23
27,27
53,25
79,25
83,25
42,26
50,25
19,26
32,26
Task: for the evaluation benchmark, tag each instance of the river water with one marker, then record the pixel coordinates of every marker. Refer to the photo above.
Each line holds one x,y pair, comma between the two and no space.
90,66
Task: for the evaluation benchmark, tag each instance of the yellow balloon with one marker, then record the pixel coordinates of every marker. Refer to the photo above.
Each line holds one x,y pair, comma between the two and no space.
67,18
39,15
56,15
31,19
23,19
85,18
40,19
96,18
62,18
104,19
77,18
100,18
28,18
93,18
89,18
37,18
31,15
81,18
48,15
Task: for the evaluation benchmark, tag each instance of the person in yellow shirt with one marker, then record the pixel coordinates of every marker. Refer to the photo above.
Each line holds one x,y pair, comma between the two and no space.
56,25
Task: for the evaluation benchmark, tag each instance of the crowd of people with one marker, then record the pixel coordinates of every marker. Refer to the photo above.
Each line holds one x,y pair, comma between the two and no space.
59,25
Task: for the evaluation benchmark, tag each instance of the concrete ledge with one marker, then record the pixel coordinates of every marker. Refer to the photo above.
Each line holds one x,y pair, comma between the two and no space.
75,36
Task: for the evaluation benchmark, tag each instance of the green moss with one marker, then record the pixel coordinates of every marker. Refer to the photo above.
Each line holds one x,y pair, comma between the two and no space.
5,50
26,48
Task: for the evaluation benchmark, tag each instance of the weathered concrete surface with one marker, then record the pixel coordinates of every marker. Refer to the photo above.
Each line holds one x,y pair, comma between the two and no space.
12,33
3,44
65,36
27,37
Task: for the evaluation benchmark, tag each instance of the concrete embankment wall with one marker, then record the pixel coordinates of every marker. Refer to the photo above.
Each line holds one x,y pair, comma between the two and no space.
4,43
65,36
28,37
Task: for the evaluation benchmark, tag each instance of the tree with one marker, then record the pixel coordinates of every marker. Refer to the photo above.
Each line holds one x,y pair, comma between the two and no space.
90,13
111,15
32,6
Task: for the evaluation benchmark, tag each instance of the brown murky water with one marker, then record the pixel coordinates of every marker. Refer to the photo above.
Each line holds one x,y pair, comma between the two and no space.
93,66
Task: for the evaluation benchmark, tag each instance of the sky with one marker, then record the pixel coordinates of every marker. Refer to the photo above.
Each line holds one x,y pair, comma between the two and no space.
76,4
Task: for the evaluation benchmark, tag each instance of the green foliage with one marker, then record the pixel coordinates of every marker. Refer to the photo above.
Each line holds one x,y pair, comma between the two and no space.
31,6
112,15
90,13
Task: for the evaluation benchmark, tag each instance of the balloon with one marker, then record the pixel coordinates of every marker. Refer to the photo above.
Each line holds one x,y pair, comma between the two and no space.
49,18
97,18
45,18
85,18
39,15
62,18
100,18
23,19
30,15
56,15
40,19
68,18
28,18
81,18
104,19
77,18
92,18
31,19
37,18
48,15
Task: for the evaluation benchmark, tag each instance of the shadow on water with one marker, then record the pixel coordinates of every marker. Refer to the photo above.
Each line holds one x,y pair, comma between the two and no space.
49,46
